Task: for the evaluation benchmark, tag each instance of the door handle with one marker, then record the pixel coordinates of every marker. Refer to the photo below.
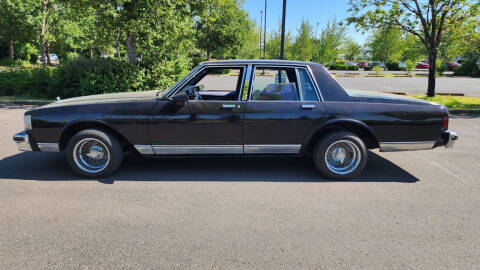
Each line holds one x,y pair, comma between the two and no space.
308,106
228,106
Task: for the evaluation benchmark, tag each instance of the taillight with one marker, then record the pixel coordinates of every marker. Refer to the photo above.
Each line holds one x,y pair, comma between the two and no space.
445,122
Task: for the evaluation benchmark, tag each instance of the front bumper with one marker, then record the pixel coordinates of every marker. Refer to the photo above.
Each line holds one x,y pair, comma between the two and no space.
449,137
23,141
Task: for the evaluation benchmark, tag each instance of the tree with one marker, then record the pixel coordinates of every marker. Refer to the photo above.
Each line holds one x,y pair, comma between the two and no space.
329,45
273,44
386,44
414,50
222,27
303,45
17,20
352,50
425,19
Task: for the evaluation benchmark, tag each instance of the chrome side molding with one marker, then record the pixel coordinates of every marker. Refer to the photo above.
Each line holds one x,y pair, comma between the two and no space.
272,148
144,149
48,147
218,149
196,149
406,146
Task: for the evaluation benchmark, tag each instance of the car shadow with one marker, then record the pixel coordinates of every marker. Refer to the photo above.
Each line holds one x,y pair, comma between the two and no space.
54,167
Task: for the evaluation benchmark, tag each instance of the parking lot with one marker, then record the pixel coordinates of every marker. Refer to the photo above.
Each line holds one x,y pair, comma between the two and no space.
406,210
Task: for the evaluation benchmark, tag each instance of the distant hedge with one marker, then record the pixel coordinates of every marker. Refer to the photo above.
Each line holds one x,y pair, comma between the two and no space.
468,68
84,76
338,66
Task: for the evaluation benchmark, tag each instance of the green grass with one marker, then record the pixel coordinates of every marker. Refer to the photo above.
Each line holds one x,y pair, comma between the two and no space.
455,102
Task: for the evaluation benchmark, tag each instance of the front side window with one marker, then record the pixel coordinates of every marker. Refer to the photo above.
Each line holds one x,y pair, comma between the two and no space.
217,83
275,84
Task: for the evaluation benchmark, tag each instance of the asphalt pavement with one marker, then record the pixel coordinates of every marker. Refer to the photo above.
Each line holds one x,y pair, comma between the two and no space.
407,210
413,85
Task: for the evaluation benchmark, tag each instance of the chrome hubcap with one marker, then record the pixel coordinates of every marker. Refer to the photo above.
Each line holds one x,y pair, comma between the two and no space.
342,157
91,155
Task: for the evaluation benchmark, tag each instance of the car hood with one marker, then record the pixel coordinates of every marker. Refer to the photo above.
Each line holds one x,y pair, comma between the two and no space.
386,98
105,98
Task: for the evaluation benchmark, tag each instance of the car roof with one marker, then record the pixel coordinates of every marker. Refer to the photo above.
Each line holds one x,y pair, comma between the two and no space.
258,62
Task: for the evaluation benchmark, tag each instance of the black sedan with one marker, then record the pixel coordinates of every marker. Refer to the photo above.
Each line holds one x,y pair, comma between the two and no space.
241,107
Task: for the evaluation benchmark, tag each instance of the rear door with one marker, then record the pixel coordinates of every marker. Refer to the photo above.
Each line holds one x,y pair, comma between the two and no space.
283,104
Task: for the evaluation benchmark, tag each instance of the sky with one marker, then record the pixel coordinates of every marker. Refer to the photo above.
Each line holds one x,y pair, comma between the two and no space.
318,12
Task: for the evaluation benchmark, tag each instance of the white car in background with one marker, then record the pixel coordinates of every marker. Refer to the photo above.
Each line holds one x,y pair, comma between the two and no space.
53,59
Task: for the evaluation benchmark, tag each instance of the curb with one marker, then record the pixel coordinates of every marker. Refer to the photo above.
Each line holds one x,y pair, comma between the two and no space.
26,102
464,112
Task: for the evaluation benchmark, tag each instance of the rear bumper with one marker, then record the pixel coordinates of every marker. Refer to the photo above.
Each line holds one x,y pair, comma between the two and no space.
448,138
23,141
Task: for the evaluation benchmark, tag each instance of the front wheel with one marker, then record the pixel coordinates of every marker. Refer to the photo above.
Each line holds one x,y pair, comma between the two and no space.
340,155
94,153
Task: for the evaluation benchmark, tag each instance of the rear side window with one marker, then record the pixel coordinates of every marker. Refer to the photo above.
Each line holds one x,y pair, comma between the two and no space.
273,84
307,91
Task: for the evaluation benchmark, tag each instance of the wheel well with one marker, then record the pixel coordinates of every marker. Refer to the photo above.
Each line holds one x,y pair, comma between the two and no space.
366,135
75,128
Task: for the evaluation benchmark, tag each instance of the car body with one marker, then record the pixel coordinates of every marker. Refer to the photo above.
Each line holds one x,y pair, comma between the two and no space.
351,64
362,64
422,65
238,107
53,59
452,65
376,63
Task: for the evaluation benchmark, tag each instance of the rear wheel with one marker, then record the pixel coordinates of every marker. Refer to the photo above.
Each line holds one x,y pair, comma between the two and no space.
94,153
340,155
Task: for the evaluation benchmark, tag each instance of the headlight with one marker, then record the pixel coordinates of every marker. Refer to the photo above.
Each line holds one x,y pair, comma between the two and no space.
27,122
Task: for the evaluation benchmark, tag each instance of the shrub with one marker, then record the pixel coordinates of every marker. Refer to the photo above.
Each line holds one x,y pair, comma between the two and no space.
341,66
378,70
468,68
394,66
409,66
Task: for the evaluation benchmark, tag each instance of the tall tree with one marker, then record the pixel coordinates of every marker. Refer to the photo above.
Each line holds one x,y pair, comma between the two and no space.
273,44
352,50
386,44
221,27
303,45
329,45
426,19
17,20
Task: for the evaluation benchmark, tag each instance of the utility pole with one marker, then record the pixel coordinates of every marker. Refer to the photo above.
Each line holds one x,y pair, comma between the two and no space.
261,24
265,31
282,42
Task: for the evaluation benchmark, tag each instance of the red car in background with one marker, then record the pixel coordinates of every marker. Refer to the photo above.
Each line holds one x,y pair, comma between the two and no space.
362,64
422,65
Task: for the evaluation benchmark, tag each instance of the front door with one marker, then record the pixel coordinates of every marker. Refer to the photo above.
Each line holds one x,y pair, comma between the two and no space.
210,123
282,106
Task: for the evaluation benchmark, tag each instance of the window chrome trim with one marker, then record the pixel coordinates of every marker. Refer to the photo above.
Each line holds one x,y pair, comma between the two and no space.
406,146
48,147
272,148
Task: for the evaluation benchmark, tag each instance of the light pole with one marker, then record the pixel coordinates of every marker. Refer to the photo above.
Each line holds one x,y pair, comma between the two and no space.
265,31
282,42
260,43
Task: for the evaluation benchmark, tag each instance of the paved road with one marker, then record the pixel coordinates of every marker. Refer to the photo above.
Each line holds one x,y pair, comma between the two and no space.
417,85
407,210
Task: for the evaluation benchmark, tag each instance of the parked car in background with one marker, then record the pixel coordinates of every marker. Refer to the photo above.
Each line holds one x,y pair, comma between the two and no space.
451,65
303,111
422,65
53,59
363,64
376,63
351,64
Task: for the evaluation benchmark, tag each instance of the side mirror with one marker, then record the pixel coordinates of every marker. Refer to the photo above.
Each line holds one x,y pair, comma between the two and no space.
180,98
